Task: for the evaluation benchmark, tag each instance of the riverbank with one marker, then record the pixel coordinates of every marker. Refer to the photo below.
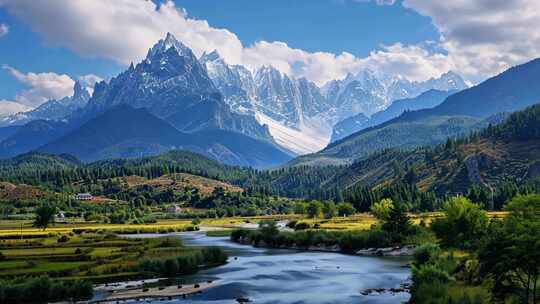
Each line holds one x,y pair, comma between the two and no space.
71,263
156,293
375,242
405,251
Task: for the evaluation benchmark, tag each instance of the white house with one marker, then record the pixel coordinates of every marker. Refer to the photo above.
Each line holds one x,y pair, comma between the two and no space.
84,197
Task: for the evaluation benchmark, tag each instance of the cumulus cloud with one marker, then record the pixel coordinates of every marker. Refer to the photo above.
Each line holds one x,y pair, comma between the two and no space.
8,107
484,37
478,37
41,86
89,81
4,29
378,2
123,30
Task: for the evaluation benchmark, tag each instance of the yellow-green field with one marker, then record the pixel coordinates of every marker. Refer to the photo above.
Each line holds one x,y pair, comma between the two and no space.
357,221
98,257
23,228
13,228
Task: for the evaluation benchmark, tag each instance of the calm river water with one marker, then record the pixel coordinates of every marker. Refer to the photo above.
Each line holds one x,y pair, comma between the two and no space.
287,276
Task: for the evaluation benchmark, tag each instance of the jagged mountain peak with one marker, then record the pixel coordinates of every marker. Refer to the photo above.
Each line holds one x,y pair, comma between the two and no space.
52,109
169,42
268,70
212,56
80,93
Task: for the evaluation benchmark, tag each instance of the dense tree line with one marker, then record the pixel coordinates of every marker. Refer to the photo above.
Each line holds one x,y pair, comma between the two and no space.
66,174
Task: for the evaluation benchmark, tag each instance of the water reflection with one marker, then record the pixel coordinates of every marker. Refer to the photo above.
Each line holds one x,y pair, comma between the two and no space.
286,276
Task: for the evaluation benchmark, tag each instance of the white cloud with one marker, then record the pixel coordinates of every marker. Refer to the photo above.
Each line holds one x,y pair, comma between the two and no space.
8,107
41,86
89,81
46,86
478,37
378,2
123,30
4,29
484,37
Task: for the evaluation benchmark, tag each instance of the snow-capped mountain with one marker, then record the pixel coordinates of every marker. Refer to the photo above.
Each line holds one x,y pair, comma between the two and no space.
167,101
288,106
207,94
299,114
9,108
52,109
235,82
369,92
174,86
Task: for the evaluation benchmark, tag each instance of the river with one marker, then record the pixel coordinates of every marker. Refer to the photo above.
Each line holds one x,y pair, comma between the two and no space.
287,276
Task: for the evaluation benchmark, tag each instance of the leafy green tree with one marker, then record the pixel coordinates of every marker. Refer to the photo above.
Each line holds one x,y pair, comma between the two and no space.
268,229
329,210
345,209
314,209
300,208
44,216
381,210
511,253
398,223
426,253
464,223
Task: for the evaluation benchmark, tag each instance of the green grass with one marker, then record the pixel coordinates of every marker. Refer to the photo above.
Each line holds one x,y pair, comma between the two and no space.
43,268
92,256
7,265
25,252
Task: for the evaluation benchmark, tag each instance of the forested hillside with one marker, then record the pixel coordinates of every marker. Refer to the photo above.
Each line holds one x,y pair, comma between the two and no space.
466,111
503,158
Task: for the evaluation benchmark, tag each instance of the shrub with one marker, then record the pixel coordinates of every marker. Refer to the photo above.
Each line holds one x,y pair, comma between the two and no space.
345,209
381,210
44,289
184,264
463,225
302,226
426,253
63,239
429,273
292,224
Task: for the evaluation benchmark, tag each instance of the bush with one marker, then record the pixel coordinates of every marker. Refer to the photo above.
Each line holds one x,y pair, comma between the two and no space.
196,221
345,209
429,273
184,264
302,226
63,239
426,253
292,224
44,289
464,224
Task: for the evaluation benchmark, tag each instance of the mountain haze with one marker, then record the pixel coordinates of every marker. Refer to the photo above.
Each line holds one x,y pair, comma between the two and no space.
459,114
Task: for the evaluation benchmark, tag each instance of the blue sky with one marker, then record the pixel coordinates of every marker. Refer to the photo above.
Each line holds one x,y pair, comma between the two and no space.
326,25
46,44
322,25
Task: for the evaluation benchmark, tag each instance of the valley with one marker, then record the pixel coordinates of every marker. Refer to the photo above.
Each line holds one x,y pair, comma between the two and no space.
269,152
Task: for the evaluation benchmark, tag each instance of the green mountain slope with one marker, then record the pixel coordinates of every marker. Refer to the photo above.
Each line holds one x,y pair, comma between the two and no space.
459,114
509,151
125,132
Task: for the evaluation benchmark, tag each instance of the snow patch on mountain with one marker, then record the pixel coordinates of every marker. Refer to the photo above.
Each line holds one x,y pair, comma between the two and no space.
309,137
